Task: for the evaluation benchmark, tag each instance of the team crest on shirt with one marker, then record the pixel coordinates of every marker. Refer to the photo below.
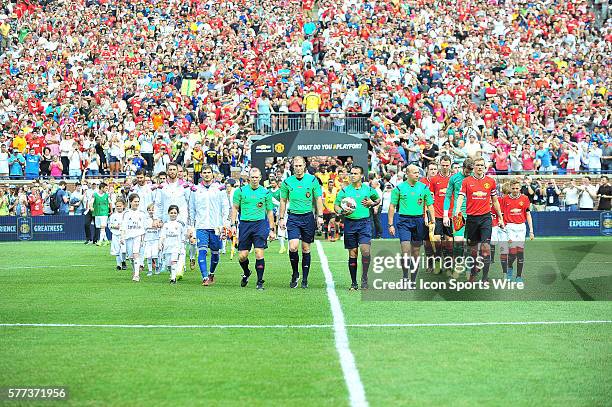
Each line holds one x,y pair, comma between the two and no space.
420,201
487,185
308,194
259,204
521,203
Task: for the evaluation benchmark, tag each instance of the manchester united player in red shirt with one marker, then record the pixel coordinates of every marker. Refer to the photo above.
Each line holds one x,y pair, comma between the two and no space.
479,191
499,236
432,171
438,186
515,207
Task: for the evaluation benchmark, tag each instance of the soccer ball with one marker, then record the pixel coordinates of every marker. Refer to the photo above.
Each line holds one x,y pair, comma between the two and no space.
348,205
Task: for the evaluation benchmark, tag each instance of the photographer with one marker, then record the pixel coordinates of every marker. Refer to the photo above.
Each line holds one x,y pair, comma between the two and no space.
552,193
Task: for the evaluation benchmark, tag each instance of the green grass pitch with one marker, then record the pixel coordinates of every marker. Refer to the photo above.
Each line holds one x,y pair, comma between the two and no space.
494,365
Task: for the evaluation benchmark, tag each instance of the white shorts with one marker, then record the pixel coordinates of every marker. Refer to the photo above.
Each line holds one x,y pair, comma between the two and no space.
151,249
116,248
516,234
133,245
173,257
499,237
101,221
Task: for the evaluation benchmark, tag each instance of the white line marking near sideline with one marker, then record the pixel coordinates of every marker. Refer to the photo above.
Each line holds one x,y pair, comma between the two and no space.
44,266
135,326
347,360
451,324
312,326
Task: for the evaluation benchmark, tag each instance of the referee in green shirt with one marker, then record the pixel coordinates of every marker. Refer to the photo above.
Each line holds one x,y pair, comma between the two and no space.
254,203
408,199
357,224
300,190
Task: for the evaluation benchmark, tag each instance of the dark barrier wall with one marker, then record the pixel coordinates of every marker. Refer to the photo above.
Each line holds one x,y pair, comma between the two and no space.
42,228
585,223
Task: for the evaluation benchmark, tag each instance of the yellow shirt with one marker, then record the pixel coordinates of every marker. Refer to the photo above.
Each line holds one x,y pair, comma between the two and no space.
312,101
19,143
198,159
131,147
323,177
4,29
363,88
329,198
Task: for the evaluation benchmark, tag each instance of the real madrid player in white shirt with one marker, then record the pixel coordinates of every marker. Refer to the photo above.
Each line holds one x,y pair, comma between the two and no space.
209,208
133,229
172,192
145,191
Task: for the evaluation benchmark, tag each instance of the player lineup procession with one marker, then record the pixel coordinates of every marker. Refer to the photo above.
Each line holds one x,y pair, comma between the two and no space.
451,215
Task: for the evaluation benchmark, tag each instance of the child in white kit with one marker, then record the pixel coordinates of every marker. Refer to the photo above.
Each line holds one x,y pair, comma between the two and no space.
151,244
172,243
133,229
114,223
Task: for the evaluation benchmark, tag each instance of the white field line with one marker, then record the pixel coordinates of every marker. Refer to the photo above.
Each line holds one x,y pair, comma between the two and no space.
135,326
43,266
356,391
313,326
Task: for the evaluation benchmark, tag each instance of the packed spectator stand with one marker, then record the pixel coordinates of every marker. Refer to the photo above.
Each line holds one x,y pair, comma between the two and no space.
93,89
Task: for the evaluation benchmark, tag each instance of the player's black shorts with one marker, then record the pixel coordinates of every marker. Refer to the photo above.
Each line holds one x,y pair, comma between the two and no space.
253,234
357,232
478,228
301,226
411,229
441,230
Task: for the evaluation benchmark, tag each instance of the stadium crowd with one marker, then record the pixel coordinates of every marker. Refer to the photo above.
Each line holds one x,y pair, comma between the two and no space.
104,88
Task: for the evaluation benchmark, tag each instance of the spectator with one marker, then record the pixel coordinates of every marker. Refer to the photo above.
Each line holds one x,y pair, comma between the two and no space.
4,161
500,157
572,195
606,159
146,150
77,200
552,193
93,163
66,147
36,203
588,193
604,192
63,198
539,198
56,168
594,155
4,202
45,163
543,159
32,165
312,102
74,162
17,164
